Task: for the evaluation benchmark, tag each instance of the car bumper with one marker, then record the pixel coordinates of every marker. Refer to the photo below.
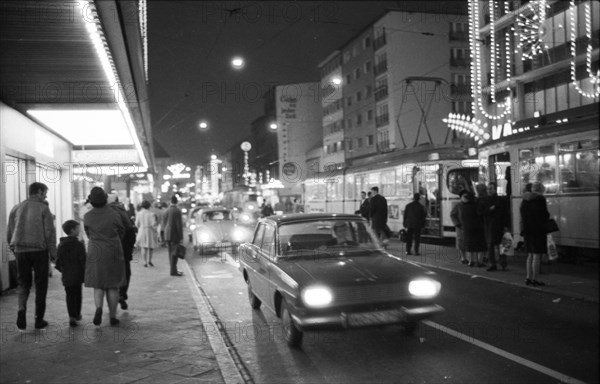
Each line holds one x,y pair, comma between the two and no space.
367,319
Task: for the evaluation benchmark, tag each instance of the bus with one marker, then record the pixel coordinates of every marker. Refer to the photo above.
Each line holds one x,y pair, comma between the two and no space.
398,177
566,161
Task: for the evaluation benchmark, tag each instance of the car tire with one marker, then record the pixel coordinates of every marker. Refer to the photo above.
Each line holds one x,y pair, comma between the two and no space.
410,327
254,301
291,334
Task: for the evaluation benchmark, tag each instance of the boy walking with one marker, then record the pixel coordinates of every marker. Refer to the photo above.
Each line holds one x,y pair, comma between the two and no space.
71,263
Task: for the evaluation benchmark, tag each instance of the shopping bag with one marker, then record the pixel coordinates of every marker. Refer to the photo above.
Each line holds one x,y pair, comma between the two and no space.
402,235
180,251
506,245
552,251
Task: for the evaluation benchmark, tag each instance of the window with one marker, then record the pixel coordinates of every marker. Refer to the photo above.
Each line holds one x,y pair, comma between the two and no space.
349,123
357,73
268,243
387,183
368,65
460,79
539,164
258,236
355,50
370,140
359,119
348,79
463,107
369,115
367,42
579,166
368,91
346,57
358,96
349,144
349,100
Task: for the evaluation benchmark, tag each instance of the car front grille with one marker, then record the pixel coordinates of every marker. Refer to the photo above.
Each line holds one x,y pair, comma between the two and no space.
366,294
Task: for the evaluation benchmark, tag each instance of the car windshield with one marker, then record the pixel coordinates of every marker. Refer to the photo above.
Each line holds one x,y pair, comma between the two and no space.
216,216
326,237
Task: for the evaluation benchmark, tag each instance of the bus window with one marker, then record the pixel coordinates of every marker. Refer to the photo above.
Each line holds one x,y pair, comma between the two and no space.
387,183
539,164
499,168
579,168
461,179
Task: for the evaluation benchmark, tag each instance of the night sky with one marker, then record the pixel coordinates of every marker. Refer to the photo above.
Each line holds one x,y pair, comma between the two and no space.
190,46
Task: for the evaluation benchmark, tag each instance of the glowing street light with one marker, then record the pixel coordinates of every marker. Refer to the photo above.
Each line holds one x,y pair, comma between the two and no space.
273,126
336,80
237,62
203,125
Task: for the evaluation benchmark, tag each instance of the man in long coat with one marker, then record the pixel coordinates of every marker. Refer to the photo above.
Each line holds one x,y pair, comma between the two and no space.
173,228
378,213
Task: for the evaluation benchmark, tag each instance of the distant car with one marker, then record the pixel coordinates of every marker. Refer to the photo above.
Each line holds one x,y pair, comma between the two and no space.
215,229
318,271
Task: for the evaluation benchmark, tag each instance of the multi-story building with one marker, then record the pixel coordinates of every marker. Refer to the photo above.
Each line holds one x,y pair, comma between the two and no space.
332,102
535,88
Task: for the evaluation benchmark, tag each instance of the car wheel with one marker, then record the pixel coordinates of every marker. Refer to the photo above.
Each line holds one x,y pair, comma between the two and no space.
291,334
254,301
410,327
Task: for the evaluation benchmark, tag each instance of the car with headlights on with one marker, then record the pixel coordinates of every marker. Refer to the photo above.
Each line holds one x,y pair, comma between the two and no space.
329,271
216,229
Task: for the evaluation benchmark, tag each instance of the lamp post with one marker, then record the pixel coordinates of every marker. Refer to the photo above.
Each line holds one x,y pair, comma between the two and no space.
246,147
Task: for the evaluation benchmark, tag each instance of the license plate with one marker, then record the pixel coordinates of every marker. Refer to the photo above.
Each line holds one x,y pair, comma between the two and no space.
374,318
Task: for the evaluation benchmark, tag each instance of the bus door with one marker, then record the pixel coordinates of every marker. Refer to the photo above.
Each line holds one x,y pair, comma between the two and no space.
499,171
427,182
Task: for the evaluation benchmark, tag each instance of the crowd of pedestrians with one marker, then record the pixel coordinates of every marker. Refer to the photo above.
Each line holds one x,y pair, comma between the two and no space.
102,263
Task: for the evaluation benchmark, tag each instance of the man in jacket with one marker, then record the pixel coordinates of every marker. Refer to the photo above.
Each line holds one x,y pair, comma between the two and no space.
378,212
173,226
495,221
364,206
31,235
414,220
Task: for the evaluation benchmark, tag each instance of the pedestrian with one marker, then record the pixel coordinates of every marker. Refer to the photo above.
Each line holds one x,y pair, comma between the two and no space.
534,213
378,212
455,217
31,236
414,220
297,206
159,211
364,209
70,261
266,210
173,225
146,223
105,264
495,221
127,243
473,233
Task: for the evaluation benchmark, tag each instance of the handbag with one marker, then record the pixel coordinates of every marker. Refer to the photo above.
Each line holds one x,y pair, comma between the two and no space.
402,235
180,251
550,226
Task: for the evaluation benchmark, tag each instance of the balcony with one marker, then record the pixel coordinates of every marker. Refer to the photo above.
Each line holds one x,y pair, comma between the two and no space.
381,93
380,68
383,120
460,62
379,42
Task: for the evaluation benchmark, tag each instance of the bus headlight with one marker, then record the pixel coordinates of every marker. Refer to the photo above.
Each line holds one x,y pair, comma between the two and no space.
424,288
317,296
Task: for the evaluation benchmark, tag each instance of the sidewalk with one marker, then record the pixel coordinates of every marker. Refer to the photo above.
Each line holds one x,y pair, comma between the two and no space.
561,279
160,338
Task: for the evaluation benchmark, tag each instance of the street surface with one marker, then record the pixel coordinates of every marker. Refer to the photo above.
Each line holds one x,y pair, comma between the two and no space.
491,332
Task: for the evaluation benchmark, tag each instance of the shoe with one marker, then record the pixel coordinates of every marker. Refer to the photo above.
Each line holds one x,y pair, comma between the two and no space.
114,321
123,303
41,324
538,283
471,264
492,268
528,282
150,264
21,320
145,265
178,273
73,322
408,253
464,261
98,317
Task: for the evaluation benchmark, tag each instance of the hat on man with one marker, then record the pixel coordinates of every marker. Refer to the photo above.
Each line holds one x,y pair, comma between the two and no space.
97,196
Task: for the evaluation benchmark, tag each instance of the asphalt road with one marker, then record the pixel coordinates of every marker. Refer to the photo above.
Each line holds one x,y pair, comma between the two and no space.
490,332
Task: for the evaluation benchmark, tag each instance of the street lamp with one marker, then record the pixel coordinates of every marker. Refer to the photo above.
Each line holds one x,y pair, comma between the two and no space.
203,125
273,126
237,62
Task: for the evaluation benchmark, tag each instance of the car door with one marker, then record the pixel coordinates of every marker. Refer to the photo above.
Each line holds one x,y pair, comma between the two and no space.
267,255
253,259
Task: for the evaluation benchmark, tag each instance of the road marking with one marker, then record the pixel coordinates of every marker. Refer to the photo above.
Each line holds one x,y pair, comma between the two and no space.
507,355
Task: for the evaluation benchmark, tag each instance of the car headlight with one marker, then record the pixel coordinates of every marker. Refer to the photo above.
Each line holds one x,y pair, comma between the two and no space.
238,234
245,217
193,226
204,237
317,296
424,288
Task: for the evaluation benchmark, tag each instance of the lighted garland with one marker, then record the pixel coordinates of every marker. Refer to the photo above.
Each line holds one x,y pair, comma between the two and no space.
531,28
594,78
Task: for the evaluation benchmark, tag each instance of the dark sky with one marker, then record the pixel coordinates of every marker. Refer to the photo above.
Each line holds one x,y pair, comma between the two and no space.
192,42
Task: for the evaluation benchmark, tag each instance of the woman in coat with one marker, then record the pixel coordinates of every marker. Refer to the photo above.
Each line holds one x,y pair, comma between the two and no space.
147,238
455,217
105,264
473,234
534,213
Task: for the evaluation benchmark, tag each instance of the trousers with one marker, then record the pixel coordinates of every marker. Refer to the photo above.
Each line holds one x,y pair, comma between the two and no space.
74,298
33,266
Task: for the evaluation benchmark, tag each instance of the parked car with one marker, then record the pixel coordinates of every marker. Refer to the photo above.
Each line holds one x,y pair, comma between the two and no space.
215,229
318,271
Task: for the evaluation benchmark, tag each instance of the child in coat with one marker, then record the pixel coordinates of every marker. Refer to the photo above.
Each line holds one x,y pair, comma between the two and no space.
71,263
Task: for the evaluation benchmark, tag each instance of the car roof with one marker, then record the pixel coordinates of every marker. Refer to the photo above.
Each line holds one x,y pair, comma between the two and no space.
300,217
215,209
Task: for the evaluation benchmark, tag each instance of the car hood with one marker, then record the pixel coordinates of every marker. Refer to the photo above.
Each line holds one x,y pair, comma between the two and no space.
376,266
218,229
